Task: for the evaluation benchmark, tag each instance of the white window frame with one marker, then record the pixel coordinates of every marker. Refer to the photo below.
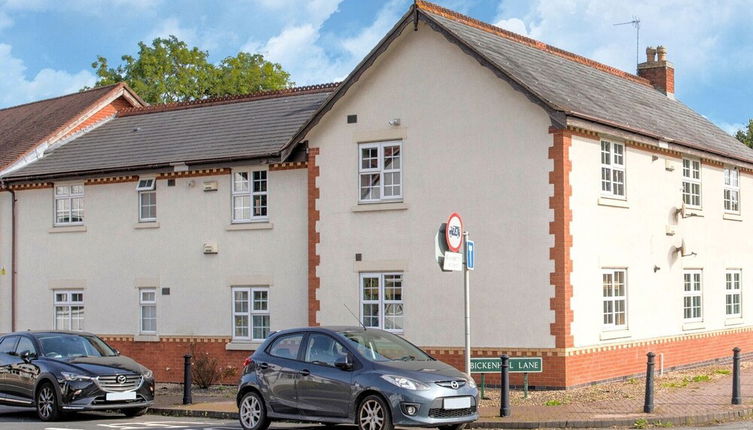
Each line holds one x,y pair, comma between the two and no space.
67,196
733,279
146,303
251,195
610,302
612,165
692,293
68,303
731,194
382,302
250,313
691,175
147,186
380,170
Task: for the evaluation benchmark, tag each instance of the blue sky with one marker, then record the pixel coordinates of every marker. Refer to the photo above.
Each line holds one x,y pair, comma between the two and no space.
47,46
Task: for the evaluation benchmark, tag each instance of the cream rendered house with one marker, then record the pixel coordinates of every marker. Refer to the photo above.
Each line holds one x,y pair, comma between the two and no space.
606,213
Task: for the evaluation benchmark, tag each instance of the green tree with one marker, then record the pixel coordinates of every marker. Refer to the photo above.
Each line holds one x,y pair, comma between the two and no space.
746,135
169,71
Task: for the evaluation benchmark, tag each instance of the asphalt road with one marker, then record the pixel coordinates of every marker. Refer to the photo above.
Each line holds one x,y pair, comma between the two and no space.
26,419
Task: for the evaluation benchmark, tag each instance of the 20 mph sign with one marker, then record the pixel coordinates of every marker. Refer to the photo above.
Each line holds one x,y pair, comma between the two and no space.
454,232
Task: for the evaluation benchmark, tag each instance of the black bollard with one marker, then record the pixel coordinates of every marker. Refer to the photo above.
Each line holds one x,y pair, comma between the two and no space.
504,407
648,404
187,382
736,398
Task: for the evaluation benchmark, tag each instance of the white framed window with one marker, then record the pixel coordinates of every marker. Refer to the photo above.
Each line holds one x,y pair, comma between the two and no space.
69,204
147,190
69,309
380,171
249,195
614,298
382,301
148,310
692,295
250,313
612,169
691,182
733,293
731,190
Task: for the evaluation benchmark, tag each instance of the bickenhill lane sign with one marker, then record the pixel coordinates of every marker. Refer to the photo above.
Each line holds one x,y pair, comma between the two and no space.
517,365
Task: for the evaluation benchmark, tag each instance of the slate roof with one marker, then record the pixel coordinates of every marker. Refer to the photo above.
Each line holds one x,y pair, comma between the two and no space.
582,88
25,126
238,127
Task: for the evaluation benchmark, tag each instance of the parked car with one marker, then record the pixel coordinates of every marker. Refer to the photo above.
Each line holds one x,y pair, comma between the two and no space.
56,371
369,377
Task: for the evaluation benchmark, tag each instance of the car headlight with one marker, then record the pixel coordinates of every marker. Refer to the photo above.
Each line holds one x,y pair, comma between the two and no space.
148,374
407,383
471,383
68,376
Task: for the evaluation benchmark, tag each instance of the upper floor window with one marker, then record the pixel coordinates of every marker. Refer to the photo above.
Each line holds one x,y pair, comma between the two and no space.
69,310
691,182
612,169
692,295
147,200
250,313
613,298
69,204
148,307
382,300
380,171
731,190
249,195
733,296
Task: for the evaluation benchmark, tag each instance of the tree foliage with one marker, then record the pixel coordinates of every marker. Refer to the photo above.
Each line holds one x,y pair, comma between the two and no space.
746,135
169,71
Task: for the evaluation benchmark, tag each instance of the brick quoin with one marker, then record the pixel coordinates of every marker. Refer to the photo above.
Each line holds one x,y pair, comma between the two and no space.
313,236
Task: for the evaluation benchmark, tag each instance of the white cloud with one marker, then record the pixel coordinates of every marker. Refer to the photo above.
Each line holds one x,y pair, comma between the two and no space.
16,88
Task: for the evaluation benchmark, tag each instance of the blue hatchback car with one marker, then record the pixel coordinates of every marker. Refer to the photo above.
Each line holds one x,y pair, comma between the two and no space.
348,375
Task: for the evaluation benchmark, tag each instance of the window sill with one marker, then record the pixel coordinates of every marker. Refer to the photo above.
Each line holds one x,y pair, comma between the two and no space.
614,334
250,226
612,202
734,321
146,338
68,229
732,217
697,325
377,207
146,225
238,345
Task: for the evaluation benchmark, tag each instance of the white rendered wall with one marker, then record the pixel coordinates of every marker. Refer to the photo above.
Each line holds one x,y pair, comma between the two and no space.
635,238
113,257
471,144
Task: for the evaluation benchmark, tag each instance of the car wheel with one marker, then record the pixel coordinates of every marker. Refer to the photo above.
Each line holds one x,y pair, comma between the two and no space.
253,413
373,414
453,427
134,412
47,403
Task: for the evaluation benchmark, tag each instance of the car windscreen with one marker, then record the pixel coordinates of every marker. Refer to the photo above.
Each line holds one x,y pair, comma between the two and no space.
384,346
55,345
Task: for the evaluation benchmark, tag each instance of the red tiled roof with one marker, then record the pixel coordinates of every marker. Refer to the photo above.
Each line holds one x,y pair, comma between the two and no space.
25,126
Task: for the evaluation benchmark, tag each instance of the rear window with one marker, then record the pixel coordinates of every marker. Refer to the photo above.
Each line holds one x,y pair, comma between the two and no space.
286,346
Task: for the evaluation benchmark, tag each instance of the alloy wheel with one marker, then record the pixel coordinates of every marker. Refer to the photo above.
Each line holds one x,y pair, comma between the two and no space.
250,412
371,416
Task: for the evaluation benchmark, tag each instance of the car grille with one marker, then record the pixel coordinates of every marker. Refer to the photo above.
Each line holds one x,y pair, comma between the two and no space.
448,384
110,383
451,413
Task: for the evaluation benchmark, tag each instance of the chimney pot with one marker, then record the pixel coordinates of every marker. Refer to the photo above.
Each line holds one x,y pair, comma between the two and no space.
662,51
650,54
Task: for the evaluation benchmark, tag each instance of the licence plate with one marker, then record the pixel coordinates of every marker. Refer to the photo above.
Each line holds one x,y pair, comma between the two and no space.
457,403
129,395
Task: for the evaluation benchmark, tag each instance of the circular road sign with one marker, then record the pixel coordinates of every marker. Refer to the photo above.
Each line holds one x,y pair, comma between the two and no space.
453,233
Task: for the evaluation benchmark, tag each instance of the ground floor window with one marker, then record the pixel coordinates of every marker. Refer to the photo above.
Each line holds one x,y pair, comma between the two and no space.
692,294
250,313
382,300
69,310
614,298
733,297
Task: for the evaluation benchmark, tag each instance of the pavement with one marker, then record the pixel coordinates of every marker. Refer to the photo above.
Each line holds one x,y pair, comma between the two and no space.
707,403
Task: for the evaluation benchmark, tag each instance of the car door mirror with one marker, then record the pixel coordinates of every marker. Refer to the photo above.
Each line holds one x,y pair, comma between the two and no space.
27,356
343,362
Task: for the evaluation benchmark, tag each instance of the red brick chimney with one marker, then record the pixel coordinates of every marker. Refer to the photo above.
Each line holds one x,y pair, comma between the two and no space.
659,71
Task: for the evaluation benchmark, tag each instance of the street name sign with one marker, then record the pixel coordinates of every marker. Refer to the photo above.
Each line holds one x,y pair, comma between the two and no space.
517,365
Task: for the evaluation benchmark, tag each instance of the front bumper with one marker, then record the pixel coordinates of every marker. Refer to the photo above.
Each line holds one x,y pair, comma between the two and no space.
430,407
88,396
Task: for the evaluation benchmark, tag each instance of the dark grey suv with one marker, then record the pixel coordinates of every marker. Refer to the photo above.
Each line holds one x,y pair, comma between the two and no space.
352,375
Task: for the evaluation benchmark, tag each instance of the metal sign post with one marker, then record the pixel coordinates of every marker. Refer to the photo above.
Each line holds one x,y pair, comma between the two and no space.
467,286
